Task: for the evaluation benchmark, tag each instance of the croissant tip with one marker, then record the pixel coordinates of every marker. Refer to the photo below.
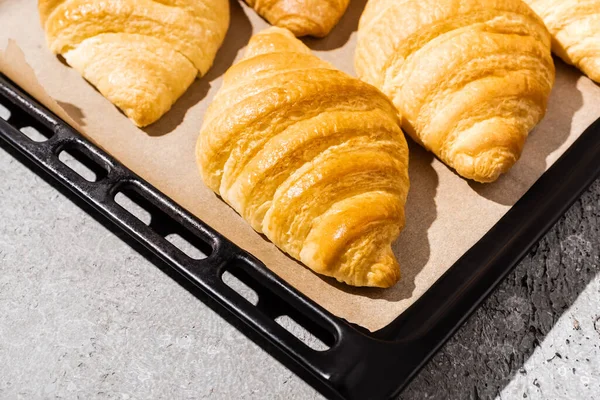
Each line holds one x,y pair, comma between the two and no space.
486,167
385,273
383,277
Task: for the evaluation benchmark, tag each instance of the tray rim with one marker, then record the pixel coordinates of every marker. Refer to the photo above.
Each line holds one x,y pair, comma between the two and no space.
358,358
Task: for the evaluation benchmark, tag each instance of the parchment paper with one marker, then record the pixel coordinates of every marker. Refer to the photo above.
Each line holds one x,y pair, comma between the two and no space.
445,214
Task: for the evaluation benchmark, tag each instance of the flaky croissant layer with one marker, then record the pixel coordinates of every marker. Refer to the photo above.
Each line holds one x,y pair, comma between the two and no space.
575,29
470,78
311,157
140,54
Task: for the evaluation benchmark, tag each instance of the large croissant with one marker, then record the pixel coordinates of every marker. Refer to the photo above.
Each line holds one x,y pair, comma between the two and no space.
470,78
302,17
140,54
311,157
575,29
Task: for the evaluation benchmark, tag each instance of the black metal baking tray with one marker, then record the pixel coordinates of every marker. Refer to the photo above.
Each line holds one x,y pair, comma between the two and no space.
358,364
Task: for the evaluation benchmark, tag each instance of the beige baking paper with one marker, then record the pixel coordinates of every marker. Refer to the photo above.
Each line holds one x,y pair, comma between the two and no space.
14,65
445,214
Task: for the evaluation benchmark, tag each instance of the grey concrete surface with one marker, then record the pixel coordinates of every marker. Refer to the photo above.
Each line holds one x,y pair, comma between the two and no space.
538,335
83,315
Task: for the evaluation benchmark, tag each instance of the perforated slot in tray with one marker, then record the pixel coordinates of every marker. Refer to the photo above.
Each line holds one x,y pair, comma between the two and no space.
315,336
82,164
4,113
23,122
133,201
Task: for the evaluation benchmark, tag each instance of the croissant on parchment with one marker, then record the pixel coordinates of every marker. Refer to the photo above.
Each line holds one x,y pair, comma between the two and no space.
310,157
140,54
575,29
470,78
302,17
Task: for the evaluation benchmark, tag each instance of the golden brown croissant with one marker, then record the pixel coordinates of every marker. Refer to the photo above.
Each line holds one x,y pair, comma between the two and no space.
302,17
470,78
311,157
575,29
140,54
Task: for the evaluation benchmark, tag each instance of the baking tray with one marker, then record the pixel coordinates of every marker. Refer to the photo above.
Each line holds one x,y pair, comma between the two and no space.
358,364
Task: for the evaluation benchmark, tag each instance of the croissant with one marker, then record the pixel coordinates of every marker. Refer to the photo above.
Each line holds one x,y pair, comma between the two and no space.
470,78
575,29
142,55
302,17
311,157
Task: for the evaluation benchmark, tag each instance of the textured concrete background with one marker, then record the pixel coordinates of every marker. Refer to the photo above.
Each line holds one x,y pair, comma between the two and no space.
538,335
83,315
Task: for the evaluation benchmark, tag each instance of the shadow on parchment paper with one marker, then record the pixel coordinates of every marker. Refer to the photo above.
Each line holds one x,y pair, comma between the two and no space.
412,247
548,136
62,60
237,37
496,341
340,34
74,112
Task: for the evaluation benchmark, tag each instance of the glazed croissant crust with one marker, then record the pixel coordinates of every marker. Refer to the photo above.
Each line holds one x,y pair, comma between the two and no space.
575,29
310,157
302,17
470,78
140,54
